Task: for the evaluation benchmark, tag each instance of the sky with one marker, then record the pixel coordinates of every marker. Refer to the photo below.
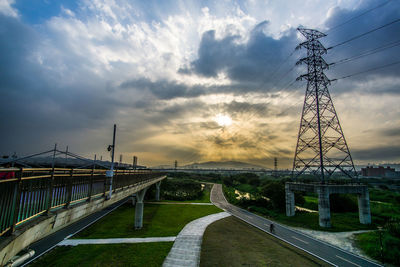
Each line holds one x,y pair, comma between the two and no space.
191,81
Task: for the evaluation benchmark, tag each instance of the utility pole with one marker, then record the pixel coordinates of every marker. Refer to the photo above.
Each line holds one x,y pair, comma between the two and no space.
134,162
275,167
176,164
321,146
66,157
110,173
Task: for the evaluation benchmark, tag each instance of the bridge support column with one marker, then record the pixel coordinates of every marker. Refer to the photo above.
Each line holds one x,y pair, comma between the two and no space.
133,198
324,207
290,206
364,212
158,184
139,208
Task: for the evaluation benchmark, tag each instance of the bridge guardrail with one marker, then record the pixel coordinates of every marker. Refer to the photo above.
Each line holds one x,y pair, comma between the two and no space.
29,192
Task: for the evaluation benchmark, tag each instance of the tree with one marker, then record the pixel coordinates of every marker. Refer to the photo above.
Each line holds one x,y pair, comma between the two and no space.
275,191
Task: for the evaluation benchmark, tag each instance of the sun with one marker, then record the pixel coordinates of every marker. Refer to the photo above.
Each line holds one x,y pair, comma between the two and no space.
223,120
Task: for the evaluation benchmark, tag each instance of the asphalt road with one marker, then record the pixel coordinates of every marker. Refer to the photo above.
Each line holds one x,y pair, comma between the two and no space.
321,250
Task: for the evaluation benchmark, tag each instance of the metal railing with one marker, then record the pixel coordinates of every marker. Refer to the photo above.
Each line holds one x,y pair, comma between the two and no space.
29,192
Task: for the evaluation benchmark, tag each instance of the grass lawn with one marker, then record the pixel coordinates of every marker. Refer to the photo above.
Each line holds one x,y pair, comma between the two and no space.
144,254
231,242
341,222
370,244
159,220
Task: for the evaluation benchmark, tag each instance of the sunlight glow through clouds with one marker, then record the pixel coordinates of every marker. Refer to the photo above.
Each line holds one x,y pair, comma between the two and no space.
223,120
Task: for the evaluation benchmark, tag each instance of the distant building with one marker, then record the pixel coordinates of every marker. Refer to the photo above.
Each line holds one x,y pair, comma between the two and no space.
380,171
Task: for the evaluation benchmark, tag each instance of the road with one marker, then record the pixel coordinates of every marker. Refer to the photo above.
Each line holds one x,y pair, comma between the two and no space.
324,251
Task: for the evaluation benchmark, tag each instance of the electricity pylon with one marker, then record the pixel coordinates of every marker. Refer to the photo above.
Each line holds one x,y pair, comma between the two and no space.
321,147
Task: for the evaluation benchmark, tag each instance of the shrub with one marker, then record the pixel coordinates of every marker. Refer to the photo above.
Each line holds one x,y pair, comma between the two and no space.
343,203
181,190
275,191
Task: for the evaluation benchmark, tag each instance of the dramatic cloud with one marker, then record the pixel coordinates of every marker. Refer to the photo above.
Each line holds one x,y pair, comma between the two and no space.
165,71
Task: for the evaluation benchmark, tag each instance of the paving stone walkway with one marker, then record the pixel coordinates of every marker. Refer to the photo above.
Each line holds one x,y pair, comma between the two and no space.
75,242
187,246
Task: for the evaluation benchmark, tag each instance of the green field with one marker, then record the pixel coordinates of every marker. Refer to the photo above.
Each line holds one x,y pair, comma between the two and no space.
244,245
371,245
159,220
341,222
144,254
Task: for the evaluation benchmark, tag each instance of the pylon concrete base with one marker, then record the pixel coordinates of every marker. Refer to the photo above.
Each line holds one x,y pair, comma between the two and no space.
158,185
139,208
323,191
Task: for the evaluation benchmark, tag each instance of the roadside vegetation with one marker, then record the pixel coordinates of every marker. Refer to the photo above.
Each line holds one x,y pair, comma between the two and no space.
383,245
185,190
248,246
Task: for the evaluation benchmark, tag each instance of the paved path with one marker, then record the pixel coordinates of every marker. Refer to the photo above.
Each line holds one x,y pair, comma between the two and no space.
324,251
75,242
187,247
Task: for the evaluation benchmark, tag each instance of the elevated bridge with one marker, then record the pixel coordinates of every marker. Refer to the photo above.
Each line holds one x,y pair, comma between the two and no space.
36,202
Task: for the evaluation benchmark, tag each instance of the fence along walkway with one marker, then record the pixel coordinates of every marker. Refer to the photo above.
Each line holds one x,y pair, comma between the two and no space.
35,191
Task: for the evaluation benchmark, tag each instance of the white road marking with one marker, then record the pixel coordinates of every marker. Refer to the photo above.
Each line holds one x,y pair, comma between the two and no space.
299,239
348,261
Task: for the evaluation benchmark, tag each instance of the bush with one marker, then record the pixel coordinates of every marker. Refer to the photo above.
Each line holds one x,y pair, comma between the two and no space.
275,191
181,190
227,181
343,203
393,227
299,198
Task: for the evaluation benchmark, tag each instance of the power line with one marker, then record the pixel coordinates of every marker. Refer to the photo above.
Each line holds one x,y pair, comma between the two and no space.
368,32
361,72
356,17
367,53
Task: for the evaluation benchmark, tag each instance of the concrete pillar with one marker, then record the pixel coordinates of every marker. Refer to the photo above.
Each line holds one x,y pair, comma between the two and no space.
158,184
139,208
324,207
290,206
133,198
364,212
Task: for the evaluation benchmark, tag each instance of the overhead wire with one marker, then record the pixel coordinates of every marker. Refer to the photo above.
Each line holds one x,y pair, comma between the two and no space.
367,53
360,15
372,69
376,50
366,33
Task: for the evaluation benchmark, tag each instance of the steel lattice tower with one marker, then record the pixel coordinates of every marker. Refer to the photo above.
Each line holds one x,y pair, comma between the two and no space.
321,147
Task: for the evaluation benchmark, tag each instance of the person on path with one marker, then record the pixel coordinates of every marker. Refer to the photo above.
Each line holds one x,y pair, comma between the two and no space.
271,228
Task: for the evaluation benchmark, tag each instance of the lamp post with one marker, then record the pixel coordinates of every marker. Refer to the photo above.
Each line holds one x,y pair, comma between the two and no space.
110,173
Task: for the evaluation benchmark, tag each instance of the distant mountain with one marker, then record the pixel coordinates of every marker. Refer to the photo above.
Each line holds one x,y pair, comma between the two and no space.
165,166
222,165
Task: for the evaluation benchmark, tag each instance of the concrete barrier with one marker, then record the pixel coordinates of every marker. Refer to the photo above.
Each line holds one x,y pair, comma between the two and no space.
43,226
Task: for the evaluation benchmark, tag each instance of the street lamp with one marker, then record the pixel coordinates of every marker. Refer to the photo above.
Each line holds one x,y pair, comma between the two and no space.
110,173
